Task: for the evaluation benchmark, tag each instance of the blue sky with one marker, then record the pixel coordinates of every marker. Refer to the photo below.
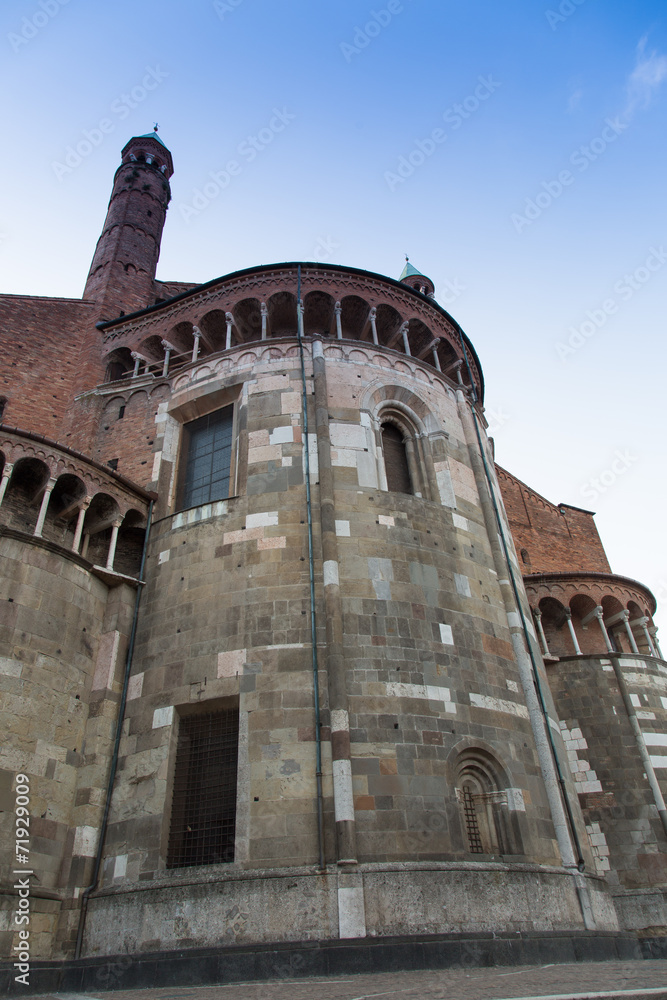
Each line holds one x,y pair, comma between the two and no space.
539,211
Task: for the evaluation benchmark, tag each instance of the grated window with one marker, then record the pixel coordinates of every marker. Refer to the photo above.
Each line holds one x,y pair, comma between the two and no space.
395,460
203,814
208,445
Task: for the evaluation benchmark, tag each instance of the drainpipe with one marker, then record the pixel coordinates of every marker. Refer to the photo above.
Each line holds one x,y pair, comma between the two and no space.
311,566
340,723
554,781
85,895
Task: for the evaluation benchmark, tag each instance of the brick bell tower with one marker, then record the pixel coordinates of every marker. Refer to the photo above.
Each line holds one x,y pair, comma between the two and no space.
122,274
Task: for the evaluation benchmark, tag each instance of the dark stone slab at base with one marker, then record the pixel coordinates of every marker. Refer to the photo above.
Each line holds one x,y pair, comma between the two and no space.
209,966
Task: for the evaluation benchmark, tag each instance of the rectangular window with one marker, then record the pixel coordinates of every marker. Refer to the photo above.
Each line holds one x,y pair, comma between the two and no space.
203,815
207,458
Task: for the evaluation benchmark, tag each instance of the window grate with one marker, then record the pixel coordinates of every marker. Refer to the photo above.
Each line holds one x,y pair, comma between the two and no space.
208,460
203,815
472,826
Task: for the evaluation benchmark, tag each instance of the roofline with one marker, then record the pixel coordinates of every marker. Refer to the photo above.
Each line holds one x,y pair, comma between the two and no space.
315,265
582,510
556,506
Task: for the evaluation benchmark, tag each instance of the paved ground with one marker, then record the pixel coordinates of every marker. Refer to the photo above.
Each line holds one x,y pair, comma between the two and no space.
602,979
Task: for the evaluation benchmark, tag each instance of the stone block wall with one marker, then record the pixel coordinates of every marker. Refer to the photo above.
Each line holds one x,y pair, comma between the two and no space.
622,820
429,666
62,643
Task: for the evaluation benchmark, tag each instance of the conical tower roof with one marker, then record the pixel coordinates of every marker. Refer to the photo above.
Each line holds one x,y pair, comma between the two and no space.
416,279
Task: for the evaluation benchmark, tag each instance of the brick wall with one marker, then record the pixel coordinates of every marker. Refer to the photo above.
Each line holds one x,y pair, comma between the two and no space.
43,343
550,538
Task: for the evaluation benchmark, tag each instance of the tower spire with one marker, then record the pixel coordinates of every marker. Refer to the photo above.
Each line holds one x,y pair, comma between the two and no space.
122,273
415,279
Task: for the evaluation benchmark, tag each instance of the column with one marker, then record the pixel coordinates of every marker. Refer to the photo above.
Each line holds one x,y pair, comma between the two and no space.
573,634
537,615
265,319
167,351
372,316
230,322
6,476
338,309
406,343
85,546
137,358
42,510
112,544
79,524
436,359
653,631
625,616
599,614
643,624
196,333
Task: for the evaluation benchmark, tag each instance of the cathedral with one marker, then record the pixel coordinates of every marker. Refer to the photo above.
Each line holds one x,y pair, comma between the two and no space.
289,665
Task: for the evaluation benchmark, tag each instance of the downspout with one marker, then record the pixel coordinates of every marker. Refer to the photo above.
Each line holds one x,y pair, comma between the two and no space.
564,823
311,565
341,750
85,896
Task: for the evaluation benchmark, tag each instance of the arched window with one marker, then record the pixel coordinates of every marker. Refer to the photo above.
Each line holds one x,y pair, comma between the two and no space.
395,460
525,558
483,802
3,406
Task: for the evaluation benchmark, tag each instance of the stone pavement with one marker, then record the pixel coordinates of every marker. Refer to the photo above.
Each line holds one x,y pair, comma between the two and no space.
640,979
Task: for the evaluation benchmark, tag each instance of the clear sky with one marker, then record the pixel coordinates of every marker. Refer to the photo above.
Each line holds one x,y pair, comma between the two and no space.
516,151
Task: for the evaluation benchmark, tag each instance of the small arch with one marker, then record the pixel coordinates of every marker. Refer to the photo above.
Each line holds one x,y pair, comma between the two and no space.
118,364
63,509
23,496
354,313
388,322
318,316
637,630
213,328
419,337
182,337
282,314
248,319
101,514
618,636
152,349
129,546
554,621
